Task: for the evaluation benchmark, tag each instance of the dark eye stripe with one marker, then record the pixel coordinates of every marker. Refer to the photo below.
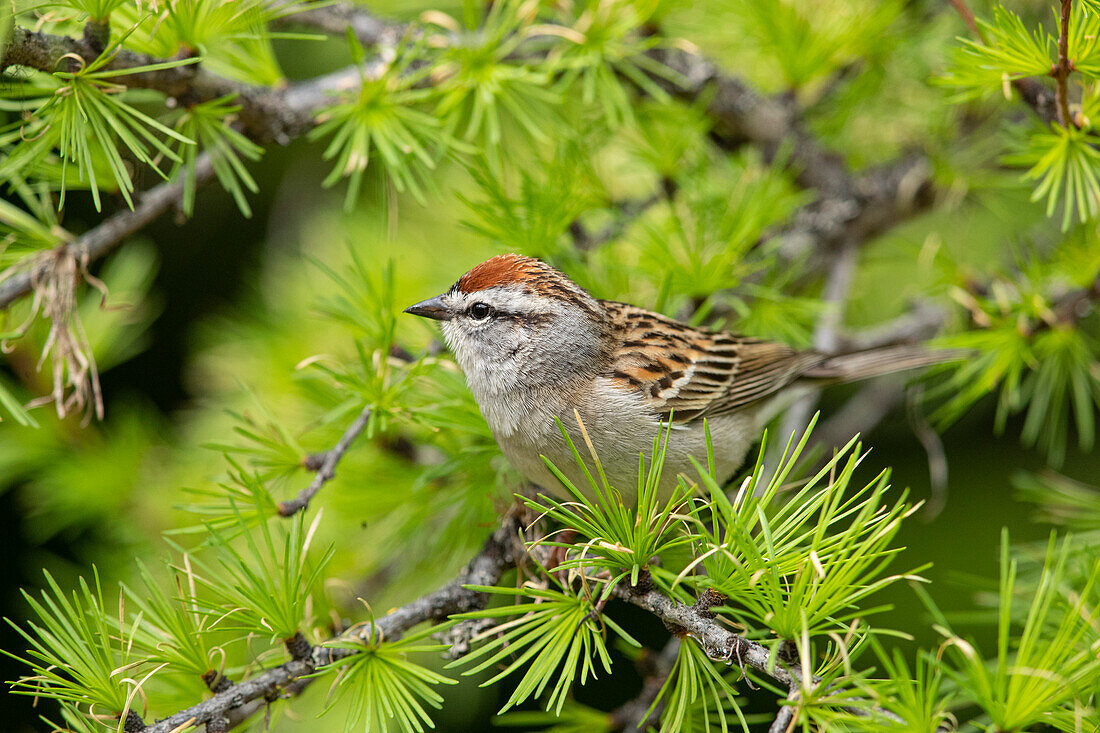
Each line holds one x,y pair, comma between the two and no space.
526,319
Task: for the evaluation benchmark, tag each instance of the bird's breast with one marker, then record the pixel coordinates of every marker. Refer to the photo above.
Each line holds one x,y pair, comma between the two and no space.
620,426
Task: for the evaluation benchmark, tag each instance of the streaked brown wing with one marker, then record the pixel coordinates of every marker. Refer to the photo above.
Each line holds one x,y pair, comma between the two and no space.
690,372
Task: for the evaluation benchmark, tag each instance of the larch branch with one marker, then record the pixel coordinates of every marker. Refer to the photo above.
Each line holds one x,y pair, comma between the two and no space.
848,207
237,702
1062,70
337,18
784,719
1034,93
101,239
327,470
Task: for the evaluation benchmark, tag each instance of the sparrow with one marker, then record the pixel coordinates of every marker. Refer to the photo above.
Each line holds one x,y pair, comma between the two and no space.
538,351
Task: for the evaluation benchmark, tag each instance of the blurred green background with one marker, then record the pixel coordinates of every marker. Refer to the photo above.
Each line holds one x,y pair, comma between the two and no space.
219,312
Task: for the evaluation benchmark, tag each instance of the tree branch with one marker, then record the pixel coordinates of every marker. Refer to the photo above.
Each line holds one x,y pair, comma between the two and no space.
1035,95
722,645
849,207
500,553
336,18
858,207
101,239
876,201
921,323
267,114
785,718
327,469
718,642
486,568
742,115
1062,70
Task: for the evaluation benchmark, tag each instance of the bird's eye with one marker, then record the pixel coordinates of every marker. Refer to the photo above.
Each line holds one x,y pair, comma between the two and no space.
480,311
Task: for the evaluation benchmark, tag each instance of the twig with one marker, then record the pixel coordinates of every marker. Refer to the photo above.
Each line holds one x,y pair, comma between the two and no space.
849,207
920,323
967,15
249,695
933,449
1033,92
335,18
327,470
1062,70
784,719
101,239
718,642
835,297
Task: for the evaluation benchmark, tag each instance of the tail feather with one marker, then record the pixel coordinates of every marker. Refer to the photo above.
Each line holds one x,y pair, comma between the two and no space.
873,362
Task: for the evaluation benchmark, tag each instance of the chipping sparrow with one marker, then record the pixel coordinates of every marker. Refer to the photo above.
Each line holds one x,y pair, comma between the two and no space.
535,346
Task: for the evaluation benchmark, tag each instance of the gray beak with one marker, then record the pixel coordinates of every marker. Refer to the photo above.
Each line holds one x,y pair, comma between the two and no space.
431,308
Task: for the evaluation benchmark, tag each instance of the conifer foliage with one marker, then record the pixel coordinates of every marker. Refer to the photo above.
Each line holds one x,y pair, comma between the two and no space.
345,548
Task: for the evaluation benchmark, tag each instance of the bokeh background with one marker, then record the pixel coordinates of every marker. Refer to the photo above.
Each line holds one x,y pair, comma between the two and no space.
208,321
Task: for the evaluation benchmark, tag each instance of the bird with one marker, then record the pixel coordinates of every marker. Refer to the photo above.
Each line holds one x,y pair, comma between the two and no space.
541,354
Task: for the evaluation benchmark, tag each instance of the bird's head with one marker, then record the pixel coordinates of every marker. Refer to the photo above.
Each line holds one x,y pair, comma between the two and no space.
516,322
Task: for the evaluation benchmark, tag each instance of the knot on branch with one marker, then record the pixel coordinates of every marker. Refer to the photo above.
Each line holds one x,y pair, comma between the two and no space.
96,35
644,584
215,681
300,650
314,461
787,653
707,600
133,723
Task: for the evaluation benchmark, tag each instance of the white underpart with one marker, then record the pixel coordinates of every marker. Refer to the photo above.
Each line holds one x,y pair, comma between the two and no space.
621,428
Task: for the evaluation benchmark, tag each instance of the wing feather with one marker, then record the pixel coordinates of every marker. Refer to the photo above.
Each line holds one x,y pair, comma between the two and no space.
690,372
